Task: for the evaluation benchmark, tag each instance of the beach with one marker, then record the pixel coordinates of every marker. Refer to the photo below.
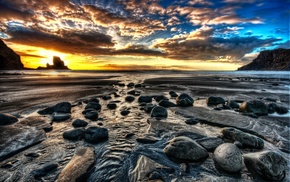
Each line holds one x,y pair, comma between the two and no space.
123,137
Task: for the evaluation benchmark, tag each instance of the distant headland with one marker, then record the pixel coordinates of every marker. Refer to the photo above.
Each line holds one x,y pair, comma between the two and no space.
278,59
58,64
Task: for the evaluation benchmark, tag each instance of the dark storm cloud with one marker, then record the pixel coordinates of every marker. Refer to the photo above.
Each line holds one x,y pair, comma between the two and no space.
201,45
10,13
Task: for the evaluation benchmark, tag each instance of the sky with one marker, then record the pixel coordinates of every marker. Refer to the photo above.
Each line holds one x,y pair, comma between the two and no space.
144,34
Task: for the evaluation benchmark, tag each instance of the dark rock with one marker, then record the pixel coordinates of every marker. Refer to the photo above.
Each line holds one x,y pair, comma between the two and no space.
92,115
96,135
210,143
130,98
125,112
246,139
281,110
148,107
268,164
116,95
277,59
147,140
121,84
78,166
79,123
166,103
228,157
190,134
129,135
39,122
184,100
146,99
32,154
233,104
60,116
173,94
74,134
226,107
254,106
18,137
213,101
95,100
191,121
138,85
93,105
106,97
9,60
185,148
112,105
45,170
131,84
63,107
48,110
159,112
158,98
7,119
271,108
57,64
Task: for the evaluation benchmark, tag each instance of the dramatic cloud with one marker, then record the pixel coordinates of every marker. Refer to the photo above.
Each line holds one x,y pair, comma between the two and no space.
222,30
202,45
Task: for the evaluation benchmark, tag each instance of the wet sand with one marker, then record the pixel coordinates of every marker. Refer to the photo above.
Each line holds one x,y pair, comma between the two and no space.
134,148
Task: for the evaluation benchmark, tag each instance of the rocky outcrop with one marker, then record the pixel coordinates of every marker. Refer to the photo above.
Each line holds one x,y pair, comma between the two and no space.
9,60
58,64
278,59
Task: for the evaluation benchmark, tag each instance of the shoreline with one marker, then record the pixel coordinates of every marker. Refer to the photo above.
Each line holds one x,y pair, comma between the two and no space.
136,141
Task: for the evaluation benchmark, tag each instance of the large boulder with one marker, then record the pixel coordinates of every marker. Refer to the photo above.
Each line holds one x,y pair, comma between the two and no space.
7,119
213,101
228,157
63,107
166,103
79,123
145,99
268,164
92,115
159,112
9,60
254,106
18,137
184,148
96,134
78,166
246,139
74,134
93,105
184,100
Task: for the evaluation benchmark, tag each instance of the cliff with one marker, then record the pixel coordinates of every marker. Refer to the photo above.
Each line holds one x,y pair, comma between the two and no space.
278,59
58,64
9,60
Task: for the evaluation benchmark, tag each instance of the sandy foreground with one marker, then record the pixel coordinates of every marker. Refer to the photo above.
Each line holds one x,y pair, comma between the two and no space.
124,141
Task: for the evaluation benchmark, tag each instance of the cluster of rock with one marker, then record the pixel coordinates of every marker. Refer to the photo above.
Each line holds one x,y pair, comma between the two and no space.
9,60
231,152
253,108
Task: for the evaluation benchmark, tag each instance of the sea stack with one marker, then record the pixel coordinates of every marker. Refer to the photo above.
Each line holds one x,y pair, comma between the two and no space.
58,64
9,60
